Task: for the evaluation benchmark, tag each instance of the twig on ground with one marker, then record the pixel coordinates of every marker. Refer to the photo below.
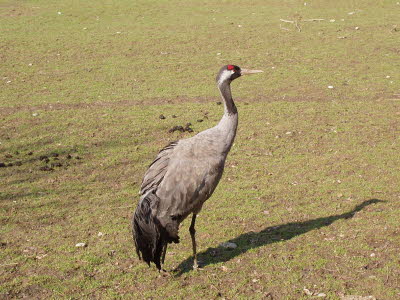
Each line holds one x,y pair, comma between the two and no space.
387,274
11,264
283,28
118,207
297,26
292,22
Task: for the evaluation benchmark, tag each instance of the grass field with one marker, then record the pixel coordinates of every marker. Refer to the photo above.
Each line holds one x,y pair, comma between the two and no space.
310,193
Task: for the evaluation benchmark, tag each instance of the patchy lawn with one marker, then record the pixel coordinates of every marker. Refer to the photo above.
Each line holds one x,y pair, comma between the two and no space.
310,192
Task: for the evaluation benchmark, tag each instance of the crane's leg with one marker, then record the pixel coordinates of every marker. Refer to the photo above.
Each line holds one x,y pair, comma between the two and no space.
163,253
192,231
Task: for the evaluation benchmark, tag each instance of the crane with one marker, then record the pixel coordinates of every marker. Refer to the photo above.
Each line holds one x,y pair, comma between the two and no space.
182,177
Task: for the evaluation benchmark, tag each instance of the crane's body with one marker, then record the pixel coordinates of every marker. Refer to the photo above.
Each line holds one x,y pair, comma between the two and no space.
182,177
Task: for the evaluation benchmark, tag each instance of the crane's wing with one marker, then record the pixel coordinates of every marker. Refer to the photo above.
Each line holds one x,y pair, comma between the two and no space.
194,170
183,176
156,171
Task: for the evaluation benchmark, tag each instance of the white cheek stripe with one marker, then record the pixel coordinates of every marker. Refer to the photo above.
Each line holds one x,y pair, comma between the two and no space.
225,75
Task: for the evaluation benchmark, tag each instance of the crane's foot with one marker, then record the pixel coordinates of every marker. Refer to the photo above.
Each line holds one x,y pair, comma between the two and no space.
197,265
164,273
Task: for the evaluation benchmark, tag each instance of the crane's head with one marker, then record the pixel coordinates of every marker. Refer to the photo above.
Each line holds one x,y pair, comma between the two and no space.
231,72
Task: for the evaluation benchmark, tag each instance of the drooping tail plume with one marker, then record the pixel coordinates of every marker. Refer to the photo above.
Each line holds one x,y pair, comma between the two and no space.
148,233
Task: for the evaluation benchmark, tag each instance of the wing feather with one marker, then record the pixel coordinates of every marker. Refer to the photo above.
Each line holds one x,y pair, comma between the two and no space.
193,173
183,176
157,169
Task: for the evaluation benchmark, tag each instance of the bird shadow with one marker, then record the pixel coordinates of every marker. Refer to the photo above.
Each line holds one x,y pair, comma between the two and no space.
269,235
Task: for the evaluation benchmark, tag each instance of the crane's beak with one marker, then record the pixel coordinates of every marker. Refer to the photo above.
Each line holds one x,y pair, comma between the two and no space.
249,72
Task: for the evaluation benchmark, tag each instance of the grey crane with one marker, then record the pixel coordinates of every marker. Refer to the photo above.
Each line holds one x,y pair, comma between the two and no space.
182,177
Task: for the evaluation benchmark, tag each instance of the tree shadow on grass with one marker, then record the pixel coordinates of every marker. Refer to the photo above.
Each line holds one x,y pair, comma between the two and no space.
269,235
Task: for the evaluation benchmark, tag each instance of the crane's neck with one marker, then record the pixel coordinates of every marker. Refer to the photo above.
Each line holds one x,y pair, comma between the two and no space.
229,106
229,120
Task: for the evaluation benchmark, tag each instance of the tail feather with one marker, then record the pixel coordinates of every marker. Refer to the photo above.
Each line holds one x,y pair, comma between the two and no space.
148,233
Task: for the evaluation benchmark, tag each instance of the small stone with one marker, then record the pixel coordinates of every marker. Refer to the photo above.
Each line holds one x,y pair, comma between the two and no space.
213,253
188,129
162,117
356,28
46,168
330,86
308,292
18,163
176,128
228,245
41,256
321,295
372,254
219,103
174,116
200,120
100,234
356,297
2,165
30,153
225,269
80,245
69,156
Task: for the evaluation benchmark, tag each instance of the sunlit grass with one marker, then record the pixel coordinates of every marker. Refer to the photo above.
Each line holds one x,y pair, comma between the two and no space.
83,84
